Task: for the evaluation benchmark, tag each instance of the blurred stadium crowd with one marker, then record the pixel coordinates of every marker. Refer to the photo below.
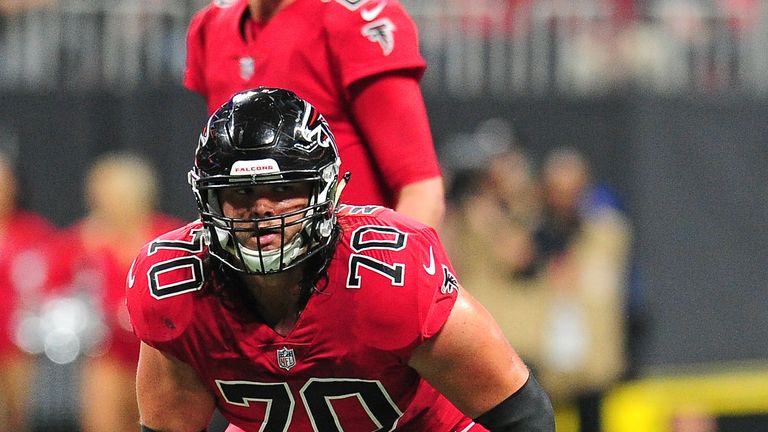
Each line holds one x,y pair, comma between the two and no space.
546,243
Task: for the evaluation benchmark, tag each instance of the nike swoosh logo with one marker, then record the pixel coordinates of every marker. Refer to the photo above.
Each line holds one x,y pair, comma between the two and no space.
430,269
131,276
372,13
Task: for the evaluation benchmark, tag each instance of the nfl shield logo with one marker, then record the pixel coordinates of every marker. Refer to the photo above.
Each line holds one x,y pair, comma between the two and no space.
247,67
285,358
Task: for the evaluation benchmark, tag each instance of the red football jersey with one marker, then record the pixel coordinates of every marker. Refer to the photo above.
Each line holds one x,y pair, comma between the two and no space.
317,49
22,271
344,365
100,273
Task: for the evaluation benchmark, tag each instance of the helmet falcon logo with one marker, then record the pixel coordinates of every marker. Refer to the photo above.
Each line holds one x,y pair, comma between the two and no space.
286,358
381,31
204,134
314,130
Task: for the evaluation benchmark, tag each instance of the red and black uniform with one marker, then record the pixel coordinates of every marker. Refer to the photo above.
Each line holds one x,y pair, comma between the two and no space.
344,365
319,49
23,271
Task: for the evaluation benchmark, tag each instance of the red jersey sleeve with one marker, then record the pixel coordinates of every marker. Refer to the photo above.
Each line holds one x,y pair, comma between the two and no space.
373,37
162,283
194,73
405,280
440,285
399,138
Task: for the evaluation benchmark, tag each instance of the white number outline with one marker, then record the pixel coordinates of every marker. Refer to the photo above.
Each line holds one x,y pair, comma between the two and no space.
394,272
193,262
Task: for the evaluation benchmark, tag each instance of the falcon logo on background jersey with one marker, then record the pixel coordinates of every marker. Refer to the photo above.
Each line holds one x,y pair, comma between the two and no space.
450,283
247,67
381,31
286,359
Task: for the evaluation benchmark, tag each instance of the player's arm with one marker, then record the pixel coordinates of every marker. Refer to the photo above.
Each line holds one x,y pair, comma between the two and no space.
171,396
472,364
423,200
390,111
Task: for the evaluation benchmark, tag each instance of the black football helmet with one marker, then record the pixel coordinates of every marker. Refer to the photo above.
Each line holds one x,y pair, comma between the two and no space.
259,137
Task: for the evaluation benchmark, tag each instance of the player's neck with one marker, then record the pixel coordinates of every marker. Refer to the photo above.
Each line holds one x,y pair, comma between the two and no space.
277,298
264,10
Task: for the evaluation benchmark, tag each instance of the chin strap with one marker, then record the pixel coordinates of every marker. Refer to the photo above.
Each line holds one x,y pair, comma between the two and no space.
342,184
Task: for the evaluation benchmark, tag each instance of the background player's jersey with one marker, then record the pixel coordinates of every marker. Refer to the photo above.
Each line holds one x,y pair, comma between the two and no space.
344,365
23,271
317,49
95,269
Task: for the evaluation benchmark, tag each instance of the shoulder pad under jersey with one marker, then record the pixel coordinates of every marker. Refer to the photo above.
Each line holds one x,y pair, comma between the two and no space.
162,283
399,262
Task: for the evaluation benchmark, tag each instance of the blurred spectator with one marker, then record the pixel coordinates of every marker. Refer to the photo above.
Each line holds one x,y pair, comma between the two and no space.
90,261
489,227
547,255
583,243
22,274
503,212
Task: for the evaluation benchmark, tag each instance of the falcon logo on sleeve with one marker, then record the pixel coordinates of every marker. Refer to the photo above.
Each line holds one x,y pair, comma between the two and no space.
381,31
450,283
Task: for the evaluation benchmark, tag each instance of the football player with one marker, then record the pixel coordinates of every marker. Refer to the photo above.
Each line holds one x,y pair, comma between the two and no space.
22,279
288,312
357,61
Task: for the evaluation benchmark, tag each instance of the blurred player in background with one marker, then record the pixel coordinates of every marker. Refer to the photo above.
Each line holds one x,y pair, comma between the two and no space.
22,275
89,262
358,62
287,312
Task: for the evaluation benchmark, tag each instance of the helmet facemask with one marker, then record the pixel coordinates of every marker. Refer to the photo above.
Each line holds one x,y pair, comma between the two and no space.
316,221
